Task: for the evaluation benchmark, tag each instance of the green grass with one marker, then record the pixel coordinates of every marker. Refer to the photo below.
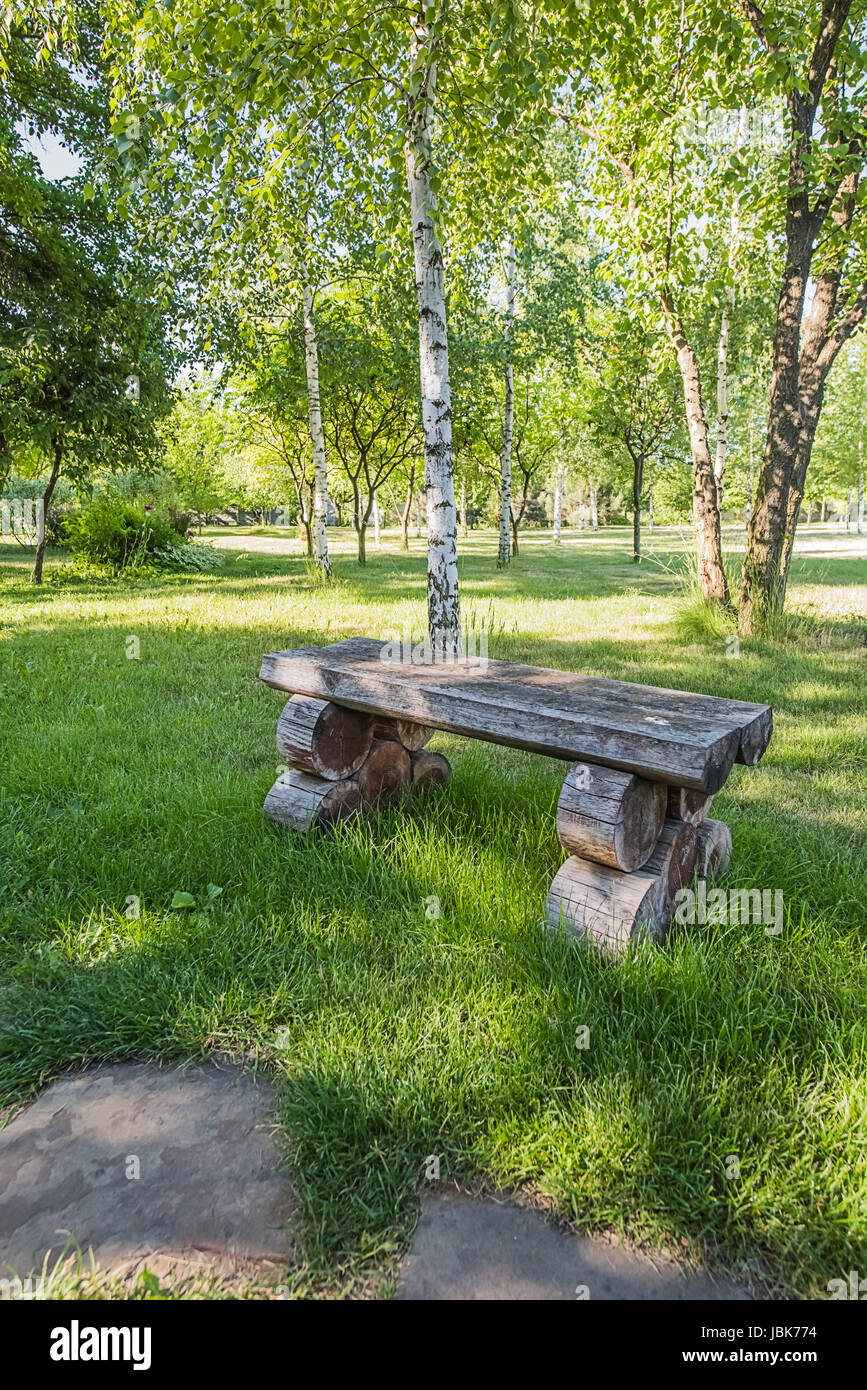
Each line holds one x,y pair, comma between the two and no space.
411,1035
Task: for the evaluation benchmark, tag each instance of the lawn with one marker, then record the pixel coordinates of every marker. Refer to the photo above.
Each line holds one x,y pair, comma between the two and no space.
395,1035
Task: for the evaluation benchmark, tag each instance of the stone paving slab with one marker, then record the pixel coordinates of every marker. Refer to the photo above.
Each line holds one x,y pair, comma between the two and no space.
471,1249
210,1192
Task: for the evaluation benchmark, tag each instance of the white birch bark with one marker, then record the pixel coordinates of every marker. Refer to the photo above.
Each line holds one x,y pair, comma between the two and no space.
317,437
442,545
594,509
860,487
504,550
464,527
558,504
752,478
722,360
848,508
722,408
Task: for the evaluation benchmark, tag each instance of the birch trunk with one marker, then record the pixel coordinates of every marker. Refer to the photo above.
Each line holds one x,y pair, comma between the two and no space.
442,564
503,552
705,509
650,506
722,361
558,503
722,408
376,531
317,437
752,478
594,510
848,509
464,527
824,509
860,487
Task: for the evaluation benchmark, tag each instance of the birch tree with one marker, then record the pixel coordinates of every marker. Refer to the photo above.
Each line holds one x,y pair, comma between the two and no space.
384,84
504,548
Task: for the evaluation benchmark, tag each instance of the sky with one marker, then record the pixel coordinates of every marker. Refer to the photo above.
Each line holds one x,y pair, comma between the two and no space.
57,162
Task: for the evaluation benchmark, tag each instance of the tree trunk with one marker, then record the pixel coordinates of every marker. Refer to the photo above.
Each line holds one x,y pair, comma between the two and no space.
650,506
317,437
711,572
637,483
503,555
810,512
848,509
860,487
407,511
558,503
594,510
514,523
810,409
304,513
464,527
824,509
722,408
442,566
752,479
760,586
376,526
56,464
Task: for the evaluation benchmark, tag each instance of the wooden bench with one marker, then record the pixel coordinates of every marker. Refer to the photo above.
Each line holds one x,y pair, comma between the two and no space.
633,812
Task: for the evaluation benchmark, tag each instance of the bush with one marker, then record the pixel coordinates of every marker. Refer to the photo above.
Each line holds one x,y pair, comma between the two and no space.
114,532
187,555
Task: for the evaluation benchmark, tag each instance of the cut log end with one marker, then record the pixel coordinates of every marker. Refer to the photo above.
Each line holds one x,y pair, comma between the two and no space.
412,736
674,860
384,778
611,817
606,907
301,801
429,771
714,849
688,805
323,739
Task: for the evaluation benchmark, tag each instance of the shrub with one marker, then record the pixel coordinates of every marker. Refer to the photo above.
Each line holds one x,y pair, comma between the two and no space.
114,532
187,555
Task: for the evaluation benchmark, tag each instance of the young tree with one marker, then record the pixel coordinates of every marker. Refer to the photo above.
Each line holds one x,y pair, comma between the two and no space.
814,64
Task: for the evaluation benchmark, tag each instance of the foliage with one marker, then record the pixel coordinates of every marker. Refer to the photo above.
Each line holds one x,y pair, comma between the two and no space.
113,532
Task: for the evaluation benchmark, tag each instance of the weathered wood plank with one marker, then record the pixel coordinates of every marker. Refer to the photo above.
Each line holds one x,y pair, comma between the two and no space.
667,736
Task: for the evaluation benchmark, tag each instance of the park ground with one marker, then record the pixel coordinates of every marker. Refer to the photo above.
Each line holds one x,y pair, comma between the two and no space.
137,770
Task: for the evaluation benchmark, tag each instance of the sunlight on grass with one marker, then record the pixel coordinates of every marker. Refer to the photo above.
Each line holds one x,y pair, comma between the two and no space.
132,779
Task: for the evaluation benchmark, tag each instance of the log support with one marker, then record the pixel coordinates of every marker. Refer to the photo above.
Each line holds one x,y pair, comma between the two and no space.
633,842
633,846
343,763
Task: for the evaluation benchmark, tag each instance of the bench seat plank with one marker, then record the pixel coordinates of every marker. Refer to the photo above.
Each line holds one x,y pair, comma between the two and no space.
671,736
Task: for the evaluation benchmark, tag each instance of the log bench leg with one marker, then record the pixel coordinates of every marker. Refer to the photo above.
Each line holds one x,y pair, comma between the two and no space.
633,846
342,764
